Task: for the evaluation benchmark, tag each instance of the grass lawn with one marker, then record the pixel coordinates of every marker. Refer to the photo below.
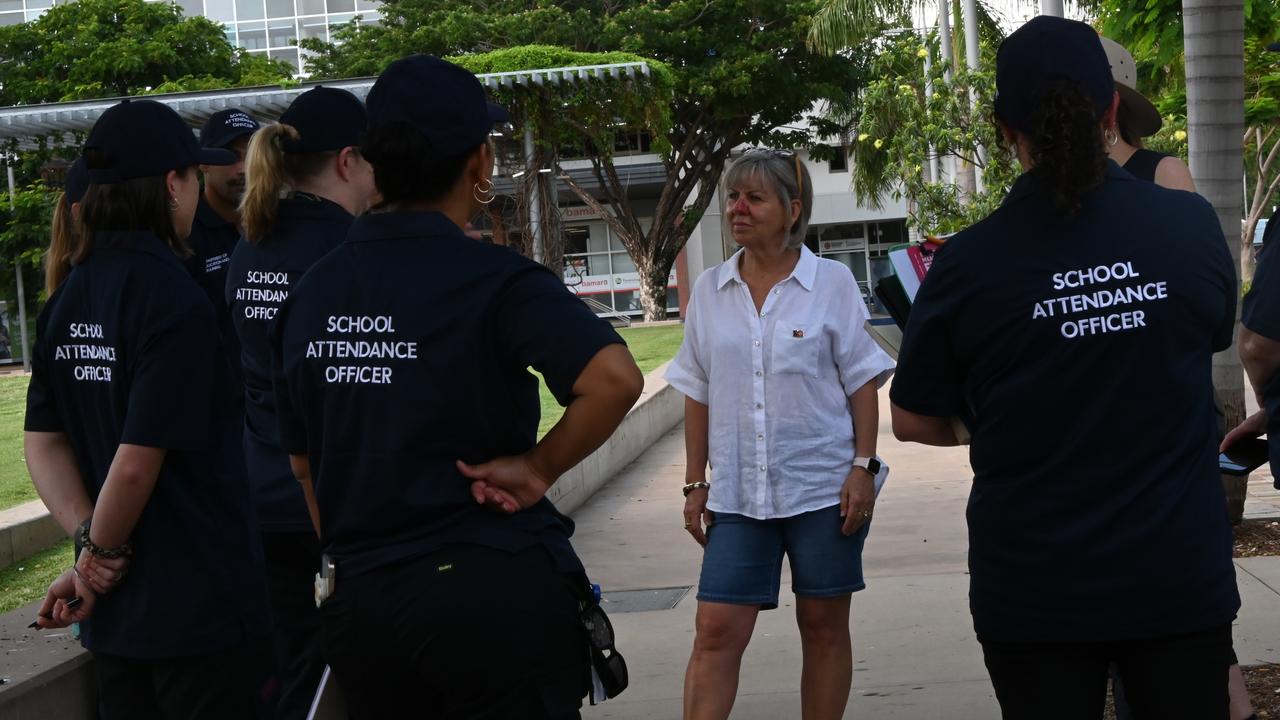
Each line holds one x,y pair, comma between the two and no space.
15,484
651,346
29,579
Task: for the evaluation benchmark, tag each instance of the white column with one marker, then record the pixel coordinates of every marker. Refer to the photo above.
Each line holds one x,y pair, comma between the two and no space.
534,200
1051,7
928,95
971,57
947,49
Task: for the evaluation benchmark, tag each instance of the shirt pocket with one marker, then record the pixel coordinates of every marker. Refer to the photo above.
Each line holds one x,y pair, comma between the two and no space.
796,349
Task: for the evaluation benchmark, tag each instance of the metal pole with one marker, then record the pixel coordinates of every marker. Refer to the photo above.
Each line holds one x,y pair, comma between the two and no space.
534,199
971,57
1051,7
22,295
949,60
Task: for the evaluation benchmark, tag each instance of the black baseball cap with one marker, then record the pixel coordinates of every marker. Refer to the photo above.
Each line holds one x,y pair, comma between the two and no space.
225,126
326,119
143,138
444,102
76,181
1042,51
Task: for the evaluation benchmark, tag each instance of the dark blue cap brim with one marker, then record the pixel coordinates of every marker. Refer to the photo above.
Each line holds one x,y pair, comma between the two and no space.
215,156
498,114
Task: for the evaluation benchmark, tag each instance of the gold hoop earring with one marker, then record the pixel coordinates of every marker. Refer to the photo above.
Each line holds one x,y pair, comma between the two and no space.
173,203
483,194
1111,136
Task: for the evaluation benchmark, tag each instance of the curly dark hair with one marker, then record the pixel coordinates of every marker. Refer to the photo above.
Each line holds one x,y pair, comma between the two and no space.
1067,146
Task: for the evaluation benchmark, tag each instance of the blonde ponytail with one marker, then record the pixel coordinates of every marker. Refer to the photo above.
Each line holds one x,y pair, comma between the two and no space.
266,180
57,260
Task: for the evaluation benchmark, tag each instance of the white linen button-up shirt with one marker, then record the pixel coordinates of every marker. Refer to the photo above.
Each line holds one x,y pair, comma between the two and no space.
777,384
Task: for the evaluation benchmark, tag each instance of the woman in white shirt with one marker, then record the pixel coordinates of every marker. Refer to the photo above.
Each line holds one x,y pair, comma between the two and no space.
778,372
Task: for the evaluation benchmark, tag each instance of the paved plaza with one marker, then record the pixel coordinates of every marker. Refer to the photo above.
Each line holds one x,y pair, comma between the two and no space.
915,654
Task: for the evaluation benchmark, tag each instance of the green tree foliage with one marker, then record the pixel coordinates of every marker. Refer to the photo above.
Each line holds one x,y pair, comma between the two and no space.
898,131
26,225
113,48
1153,31
739,69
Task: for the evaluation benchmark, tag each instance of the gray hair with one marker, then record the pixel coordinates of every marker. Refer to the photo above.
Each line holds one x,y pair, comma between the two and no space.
784,173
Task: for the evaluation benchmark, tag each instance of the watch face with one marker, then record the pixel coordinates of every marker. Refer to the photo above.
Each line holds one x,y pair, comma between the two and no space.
873,466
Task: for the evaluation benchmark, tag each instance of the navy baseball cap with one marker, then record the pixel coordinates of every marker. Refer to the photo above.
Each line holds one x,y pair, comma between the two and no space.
144,138
76,181
444,102
326,119
1044,50
225,126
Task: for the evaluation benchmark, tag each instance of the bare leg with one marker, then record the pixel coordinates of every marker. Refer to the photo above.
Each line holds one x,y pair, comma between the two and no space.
722,632
828,657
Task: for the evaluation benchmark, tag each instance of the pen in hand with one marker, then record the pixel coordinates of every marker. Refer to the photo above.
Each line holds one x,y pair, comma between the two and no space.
72,604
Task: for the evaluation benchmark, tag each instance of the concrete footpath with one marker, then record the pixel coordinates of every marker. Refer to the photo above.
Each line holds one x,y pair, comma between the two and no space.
915,654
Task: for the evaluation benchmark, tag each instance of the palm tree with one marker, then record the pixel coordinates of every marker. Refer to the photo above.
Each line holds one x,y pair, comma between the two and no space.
1213,36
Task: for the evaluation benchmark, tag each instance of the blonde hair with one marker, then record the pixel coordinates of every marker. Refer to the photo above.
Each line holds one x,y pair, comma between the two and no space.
270,174
62,240
786,175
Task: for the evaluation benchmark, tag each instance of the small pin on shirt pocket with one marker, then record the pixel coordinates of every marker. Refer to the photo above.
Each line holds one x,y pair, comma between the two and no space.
795,350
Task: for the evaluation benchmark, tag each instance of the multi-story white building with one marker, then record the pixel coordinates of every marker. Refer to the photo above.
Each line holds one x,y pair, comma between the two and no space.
263,27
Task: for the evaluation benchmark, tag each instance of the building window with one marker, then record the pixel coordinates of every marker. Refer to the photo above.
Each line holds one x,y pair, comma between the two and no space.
839,162
253,36
314,27
223,11
289,56
282,34
597,267
250,10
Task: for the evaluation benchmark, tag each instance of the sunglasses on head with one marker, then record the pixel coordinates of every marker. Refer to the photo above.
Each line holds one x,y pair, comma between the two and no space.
788,154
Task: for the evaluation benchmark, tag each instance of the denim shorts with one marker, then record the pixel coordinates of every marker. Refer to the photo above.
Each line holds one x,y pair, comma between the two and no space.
742,563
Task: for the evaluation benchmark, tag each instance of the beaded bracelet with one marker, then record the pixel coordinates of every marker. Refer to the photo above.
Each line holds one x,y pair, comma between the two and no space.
124,550
695,486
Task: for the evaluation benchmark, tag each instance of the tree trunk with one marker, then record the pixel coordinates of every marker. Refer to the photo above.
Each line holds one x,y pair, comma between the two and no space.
653,287
1213,32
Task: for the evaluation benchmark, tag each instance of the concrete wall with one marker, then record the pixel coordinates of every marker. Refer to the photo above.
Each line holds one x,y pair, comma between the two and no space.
26,530
659,409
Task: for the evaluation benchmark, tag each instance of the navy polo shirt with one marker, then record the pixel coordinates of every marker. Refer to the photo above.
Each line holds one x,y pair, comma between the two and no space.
1079,352
212,241
1261,314
126,354
260,278
406,349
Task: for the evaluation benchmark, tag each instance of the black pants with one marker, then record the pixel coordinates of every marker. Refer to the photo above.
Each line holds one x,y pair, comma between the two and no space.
292,561
225,684
1169,677
467,633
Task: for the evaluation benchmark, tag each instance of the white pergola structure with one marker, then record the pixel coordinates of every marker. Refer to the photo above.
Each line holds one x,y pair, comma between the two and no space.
25,122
